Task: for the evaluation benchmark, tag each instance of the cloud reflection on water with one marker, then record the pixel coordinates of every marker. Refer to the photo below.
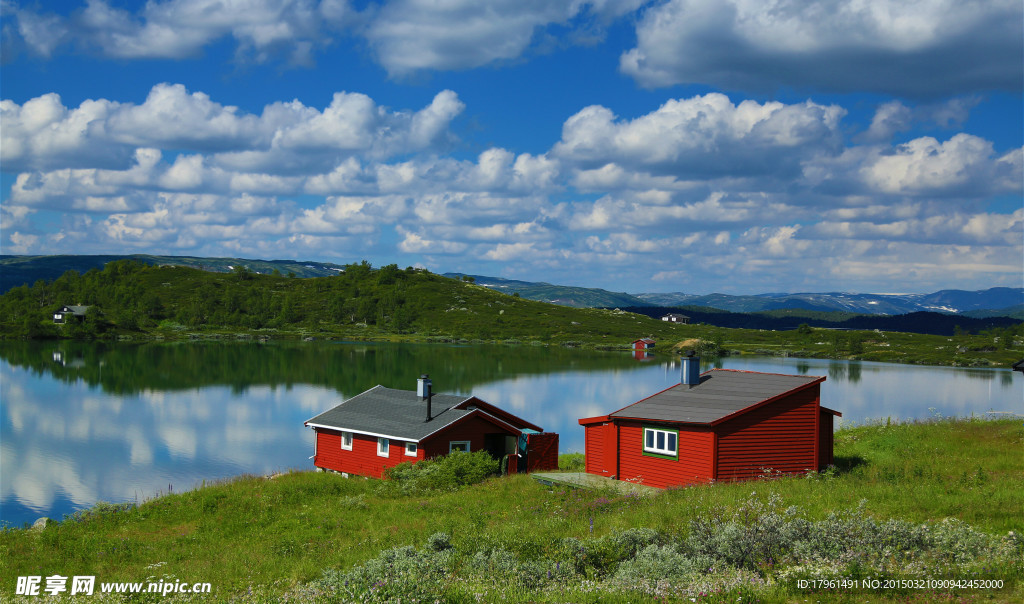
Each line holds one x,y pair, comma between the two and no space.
67,444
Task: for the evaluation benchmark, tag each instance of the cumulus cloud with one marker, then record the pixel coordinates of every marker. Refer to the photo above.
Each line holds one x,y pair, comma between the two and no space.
893,117
963,167
405,35
703,136
745,189
957,228
411,35
175,29
930,48
285,138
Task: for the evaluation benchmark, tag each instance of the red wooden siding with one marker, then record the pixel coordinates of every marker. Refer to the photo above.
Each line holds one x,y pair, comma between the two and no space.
501,414
542,452
781,436
611,448
695,463
594,447
362,459
825,442
472,429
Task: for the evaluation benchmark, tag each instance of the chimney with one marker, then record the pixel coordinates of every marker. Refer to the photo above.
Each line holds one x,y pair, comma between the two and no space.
691,369
423,390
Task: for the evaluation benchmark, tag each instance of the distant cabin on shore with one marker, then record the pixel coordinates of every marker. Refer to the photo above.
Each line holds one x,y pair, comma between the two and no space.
67,313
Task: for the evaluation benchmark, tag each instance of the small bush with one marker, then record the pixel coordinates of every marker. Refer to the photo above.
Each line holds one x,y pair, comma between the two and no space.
398,574
571,462
662,563
445,473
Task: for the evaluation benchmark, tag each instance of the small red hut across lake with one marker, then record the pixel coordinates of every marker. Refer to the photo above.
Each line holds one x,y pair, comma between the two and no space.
723,424
384,427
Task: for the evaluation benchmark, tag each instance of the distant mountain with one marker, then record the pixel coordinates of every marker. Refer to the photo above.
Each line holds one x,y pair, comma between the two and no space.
563,295
950,301
1017,312
994,302
783,320
19,270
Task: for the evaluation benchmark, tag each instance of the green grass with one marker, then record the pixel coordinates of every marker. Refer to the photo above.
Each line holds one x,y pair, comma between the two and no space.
277,535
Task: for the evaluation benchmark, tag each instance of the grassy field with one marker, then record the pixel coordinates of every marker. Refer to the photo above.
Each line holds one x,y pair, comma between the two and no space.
913,501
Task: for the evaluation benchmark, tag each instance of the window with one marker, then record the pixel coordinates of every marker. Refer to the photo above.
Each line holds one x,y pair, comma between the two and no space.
410,449
458,445
346,441
383,447
661,442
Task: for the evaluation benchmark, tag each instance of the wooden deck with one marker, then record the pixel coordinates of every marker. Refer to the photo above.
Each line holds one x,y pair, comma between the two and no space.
582,480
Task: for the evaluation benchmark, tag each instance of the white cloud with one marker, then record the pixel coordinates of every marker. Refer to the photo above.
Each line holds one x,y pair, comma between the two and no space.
702,136
418,243
287,138
956,228
961,166
742,189
916,49
893,117
175,29
405,35
411,35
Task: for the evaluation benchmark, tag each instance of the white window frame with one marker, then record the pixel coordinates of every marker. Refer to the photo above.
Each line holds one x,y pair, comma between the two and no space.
452,444
383,447
668,436
411,449
344,436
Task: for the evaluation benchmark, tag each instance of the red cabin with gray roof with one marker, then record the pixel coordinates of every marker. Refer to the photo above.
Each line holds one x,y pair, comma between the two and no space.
384,427
723,424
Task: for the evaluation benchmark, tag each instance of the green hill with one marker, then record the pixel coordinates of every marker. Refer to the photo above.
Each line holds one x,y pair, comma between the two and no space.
129,296
26,270
129,299
564,295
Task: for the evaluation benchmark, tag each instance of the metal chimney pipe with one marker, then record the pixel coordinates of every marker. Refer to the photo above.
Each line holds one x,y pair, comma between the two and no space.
424,391
691,370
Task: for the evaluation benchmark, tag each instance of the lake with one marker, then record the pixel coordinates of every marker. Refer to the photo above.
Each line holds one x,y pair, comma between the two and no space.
88,422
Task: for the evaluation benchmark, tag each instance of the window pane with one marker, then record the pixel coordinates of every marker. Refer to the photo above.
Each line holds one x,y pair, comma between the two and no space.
650,438
661,440
672,442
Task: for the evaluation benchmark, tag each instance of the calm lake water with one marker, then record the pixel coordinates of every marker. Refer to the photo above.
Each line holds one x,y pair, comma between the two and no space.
82,422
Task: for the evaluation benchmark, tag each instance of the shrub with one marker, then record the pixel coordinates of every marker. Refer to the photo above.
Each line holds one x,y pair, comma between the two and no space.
571,462
443,473
398,574
662,563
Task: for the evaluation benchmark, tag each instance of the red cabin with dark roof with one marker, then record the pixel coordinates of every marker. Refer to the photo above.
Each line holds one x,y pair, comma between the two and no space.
720,425
384,427
643,344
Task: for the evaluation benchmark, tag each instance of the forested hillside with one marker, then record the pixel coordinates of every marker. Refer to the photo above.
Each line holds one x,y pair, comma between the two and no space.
132,300
130,297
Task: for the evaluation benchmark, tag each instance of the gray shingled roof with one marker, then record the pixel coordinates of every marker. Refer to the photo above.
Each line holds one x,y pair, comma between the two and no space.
721,393
394,413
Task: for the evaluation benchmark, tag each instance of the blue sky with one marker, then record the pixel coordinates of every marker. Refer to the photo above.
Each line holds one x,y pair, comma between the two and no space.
737,146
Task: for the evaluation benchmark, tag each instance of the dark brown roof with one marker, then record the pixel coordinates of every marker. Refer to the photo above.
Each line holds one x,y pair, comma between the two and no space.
720,394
